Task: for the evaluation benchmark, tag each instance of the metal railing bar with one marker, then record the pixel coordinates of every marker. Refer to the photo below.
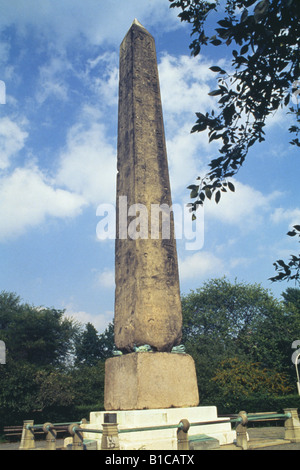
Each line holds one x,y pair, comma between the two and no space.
40,426
76,429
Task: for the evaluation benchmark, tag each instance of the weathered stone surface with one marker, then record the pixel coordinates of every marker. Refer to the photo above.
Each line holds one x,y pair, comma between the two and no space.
147,295
144,380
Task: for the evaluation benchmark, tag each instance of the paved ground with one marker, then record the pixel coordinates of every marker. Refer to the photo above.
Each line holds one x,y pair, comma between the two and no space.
270,438
39,444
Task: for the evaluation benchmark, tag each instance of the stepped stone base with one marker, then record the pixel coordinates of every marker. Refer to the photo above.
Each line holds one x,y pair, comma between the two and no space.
165,439
150,380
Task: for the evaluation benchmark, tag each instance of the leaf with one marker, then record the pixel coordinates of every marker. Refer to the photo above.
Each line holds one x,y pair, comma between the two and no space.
208,193
261,10
215,136
244,49
282,263
199,127
217,196
194,193
228,113
215,68
216,42
215,92
244,15
231,187
225,23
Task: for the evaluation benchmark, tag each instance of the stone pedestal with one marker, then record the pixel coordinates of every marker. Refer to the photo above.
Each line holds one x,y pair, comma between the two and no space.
165,438
150,380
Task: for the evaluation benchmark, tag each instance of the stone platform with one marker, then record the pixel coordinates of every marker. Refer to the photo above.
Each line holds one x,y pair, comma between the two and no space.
164,439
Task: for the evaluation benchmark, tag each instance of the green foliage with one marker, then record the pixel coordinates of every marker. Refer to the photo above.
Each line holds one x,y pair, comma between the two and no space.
52,364
236,378
91,347
288,271
87,346
254,404
55,389
18,389
292,298
224,320
88,384
40,336
264,41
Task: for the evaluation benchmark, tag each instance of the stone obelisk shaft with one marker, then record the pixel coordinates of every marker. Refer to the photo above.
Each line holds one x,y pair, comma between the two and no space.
147,296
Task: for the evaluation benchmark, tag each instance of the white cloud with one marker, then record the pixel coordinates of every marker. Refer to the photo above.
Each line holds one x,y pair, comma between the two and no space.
291,216
106,278
200,265
99,321
183,150
246,207
51,80
12,140
86,175
240,262
88,163
27,198
184,84
97,21
105,67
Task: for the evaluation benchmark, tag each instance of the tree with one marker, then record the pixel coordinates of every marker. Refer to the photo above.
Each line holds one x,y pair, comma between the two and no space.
88,346
40,336
107,342
292,297
91,347
40,378
266,69
89,385
55,389
224,320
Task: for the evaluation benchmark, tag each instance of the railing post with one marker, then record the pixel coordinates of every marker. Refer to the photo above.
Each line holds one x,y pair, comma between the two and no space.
292,425
241,431
110,435
51,434
182,435
27,439
77,436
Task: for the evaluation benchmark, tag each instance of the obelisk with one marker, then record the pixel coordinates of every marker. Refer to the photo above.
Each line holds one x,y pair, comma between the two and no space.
148,317
147,296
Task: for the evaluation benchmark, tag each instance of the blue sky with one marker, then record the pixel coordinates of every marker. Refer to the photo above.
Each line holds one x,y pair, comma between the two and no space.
58,135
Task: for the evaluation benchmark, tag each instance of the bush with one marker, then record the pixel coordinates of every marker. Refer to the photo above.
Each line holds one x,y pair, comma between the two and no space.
254,404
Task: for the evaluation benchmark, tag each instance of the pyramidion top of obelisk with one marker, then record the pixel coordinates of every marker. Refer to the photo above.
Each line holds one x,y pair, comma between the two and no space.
136,22
140,27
